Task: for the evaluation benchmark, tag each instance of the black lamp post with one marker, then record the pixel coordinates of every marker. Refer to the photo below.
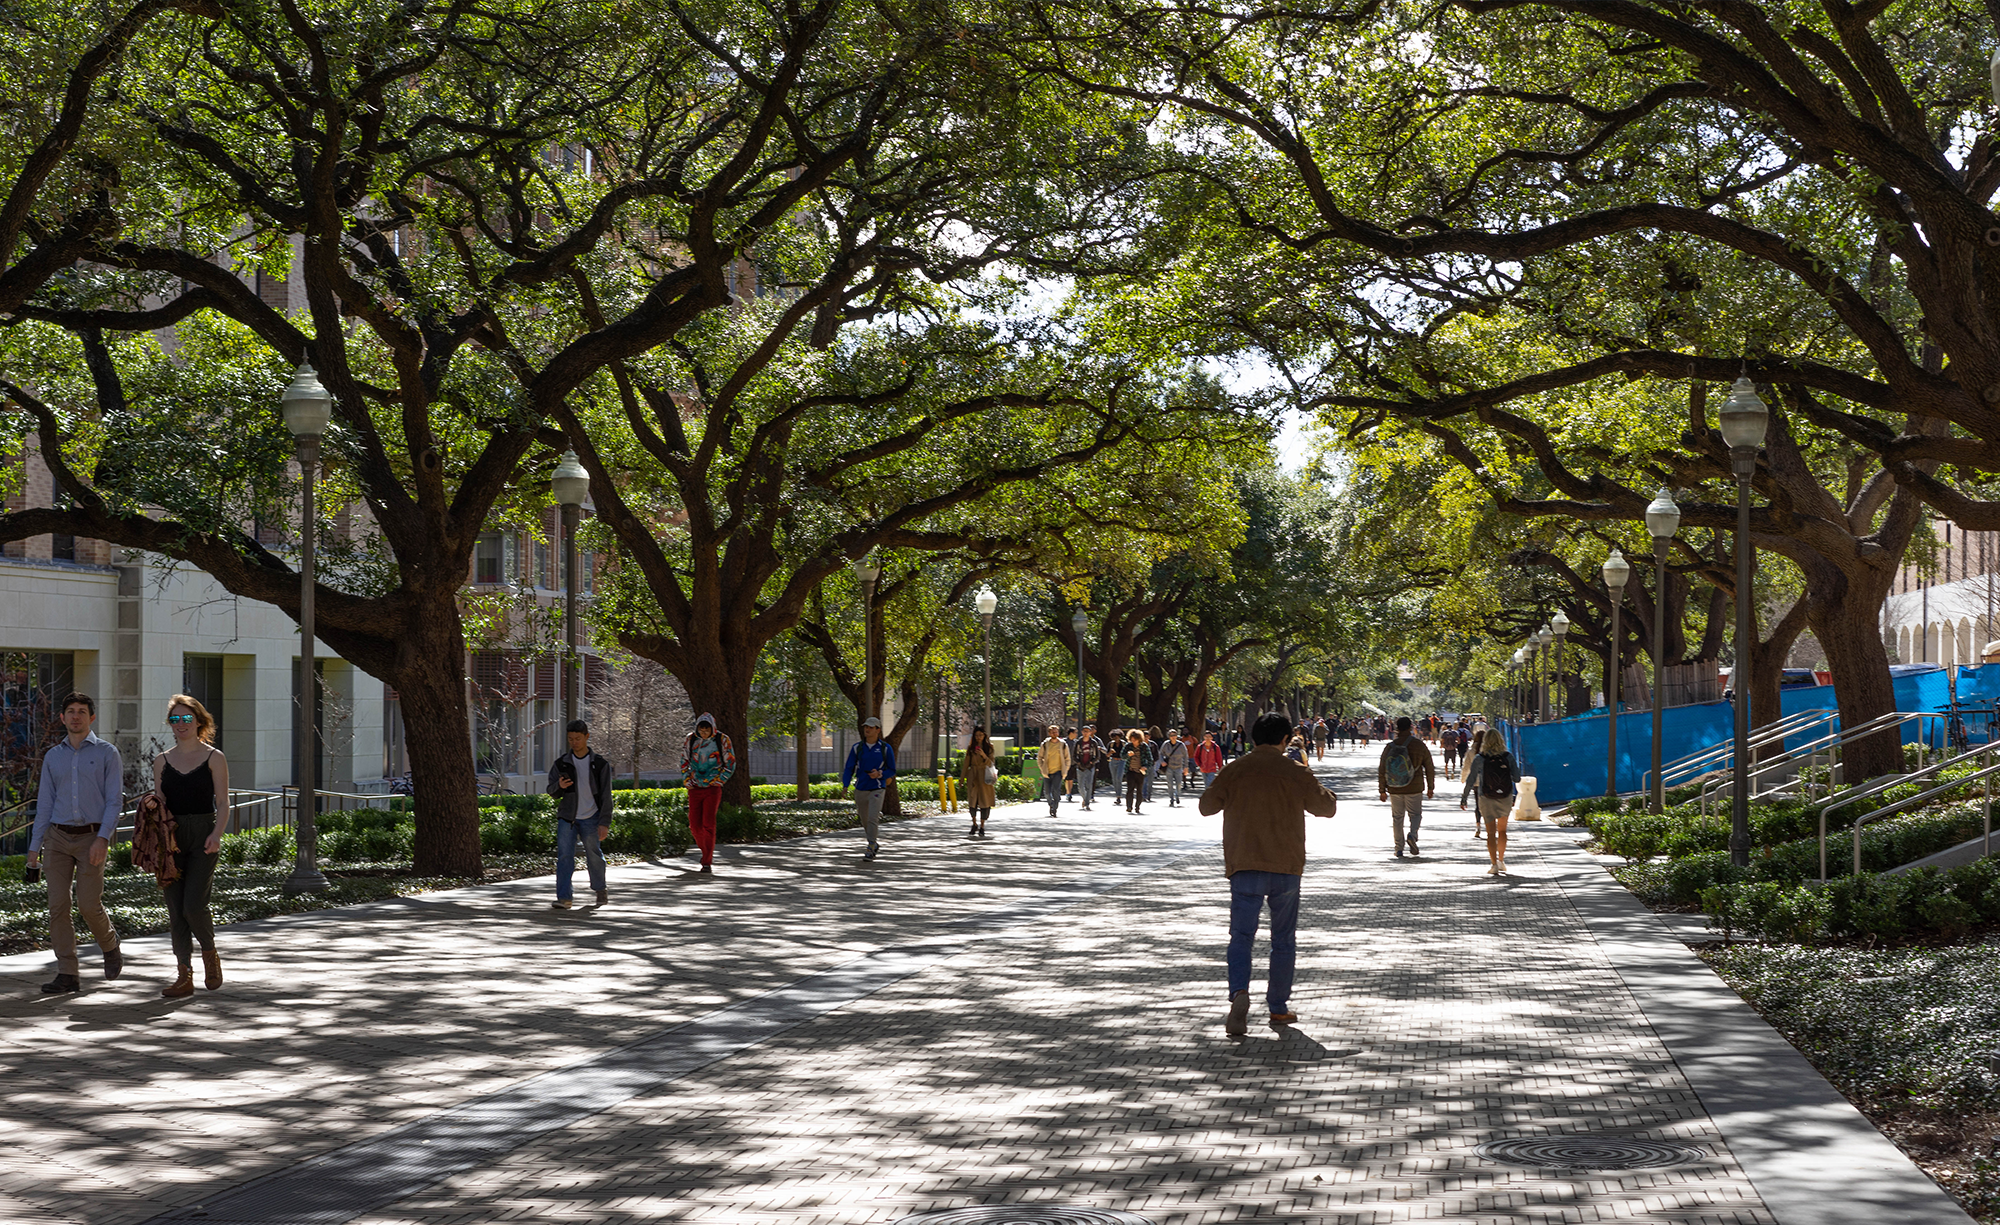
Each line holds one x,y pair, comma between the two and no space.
1744,418
1616,571
307,408
987,602
1079,622
1559,700
866,572
1663,519
570,485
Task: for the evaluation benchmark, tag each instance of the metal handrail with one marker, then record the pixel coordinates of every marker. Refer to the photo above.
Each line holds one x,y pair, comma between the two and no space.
1838,739
1792,724
1897,780
1783,730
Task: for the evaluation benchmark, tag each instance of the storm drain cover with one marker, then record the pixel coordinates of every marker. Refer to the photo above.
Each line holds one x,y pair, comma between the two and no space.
1590,1152
1024,1214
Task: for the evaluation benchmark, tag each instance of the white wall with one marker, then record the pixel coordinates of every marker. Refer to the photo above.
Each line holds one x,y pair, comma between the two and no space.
182,611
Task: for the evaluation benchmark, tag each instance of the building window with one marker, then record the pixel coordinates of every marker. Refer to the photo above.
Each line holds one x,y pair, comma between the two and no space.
486,559
545,569
545,727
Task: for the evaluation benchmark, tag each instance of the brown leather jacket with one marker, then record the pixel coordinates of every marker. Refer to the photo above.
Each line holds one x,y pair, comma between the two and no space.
1264,797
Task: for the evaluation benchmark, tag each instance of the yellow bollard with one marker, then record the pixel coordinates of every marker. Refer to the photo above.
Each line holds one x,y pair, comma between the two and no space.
948,792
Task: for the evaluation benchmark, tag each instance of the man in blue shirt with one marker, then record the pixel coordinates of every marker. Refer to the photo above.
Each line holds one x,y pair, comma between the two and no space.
870,766
76,815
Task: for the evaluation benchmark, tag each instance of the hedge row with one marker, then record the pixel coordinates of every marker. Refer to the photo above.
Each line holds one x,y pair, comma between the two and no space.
1889,843
1883,909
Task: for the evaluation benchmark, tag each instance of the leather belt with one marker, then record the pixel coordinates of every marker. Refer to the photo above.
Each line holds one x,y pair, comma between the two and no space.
77,829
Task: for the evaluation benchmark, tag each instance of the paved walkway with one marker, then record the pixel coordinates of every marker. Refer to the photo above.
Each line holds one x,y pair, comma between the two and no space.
1034,1018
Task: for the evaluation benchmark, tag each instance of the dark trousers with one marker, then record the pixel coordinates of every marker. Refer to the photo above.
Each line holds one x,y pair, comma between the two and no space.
188,919
1135,786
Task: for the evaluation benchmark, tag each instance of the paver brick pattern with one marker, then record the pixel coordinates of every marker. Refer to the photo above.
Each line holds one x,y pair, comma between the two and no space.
1077,1057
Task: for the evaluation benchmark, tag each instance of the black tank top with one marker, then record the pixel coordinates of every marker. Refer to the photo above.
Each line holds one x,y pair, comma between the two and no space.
191,794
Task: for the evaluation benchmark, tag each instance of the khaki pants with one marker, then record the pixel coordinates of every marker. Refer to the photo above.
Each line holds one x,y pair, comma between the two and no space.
66,862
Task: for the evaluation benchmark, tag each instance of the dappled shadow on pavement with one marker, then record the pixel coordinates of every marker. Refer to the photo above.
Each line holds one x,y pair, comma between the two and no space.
1070,1057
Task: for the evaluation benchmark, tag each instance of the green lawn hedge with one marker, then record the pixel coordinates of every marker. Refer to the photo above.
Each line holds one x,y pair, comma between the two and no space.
1889,843
1922,904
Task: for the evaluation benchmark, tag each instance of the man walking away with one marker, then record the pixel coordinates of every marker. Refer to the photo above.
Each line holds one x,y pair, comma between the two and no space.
1090,754
581,782
1405,776
1319,738
1208,759
1053,761
870,766
77,802
1263,799
707,761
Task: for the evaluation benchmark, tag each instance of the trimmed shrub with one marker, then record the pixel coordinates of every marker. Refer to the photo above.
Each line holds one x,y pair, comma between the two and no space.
1922,904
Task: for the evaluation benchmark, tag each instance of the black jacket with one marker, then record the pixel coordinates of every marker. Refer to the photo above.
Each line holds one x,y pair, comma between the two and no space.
600,786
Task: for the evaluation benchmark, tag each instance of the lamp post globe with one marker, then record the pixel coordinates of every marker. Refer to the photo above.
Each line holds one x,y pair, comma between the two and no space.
1744,416
307,408
1663,515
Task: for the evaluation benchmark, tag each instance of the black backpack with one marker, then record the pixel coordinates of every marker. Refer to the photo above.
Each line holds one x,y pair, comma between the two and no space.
1496,778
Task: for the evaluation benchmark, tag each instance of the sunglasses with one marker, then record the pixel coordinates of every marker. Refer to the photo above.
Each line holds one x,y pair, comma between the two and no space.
180,718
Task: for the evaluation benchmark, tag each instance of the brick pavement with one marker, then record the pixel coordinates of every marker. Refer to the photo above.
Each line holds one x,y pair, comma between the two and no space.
1042,1054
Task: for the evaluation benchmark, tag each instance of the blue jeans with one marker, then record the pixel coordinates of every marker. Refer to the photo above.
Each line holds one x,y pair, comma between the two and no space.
1052,791
1248,892
567,833
1176,775
1086,783
1117,777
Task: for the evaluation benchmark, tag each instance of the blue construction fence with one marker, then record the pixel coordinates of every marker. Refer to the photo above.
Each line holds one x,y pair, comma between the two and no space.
1567,757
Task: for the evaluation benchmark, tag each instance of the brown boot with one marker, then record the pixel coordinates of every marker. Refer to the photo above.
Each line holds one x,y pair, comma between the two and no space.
211,965
184,985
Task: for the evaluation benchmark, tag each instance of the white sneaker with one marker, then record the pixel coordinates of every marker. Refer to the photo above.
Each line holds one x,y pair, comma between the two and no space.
1501,868
1494,870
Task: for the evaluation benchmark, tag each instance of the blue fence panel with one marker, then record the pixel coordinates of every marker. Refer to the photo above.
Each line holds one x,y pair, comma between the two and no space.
1567,757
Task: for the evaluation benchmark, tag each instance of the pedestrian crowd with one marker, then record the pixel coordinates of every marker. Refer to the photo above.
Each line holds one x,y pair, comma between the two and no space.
1260,780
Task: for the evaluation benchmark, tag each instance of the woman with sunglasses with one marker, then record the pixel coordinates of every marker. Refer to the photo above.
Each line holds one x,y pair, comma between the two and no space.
192,781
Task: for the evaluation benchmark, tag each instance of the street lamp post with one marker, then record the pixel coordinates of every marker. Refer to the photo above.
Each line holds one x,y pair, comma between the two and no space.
1616,571
1663,519
1079,621
1560,700
986,602
307,407
1744,418
1543,637
569,485
866,571
1514,679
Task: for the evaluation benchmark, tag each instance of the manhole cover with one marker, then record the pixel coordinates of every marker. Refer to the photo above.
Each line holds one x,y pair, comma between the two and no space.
1589,1152
1025,1214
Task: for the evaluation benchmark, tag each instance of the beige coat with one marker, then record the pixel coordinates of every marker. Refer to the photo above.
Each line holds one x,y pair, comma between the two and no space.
1054,757
978,792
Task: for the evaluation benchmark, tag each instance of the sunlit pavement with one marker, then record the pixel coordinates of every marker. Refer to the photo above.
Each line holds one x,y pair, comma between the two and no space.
1032,1017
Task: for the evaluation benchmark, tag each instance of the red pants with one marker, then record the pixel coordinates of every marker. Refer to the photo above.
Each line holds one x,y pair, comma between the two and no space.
702,804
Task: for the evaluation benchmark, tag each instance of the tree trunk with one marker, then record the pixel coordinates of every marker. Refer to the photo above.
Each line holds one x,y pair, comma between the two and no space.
431,690
1842,613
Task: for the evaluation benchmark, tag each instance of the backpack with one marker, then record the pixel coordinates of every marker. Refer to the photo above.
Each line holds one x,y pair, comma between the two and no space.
1396,764
1496,778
